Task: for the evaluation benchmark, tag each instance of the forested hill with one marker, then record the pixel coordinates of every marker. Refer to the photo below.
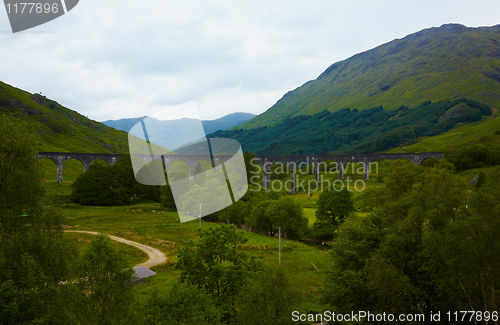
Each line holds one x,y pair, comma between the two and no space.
435,64
61,129
352,131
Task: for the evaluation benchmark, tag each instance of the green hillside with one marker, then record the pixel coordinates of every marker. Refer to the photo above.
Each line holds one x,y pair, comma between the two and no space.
61,129
445,63
460,135
352,131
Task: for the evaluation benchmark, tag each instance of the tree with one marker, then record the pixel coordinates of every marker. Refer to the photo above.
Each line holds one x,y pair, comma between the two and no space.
34,256
252,168
216,267
182,305
123,173
104,184
167,198
346,285
103,293
237,212
284,211
418,250
98,186
471,250
288,213
24,297
259,218
333,209
21,188
268,298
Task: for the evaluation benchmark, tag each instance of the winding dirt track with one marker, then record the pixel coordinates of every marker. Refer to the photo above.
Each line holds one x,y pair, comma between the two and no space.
156,257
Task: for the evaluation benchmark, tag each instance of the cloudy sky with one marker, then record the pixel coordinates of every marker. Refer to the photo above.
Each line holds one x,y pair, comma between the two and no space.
110,59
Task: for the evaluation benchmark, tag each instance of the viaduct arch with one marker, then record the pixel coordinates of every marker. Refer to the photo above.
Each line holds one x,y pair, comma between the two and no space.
85,158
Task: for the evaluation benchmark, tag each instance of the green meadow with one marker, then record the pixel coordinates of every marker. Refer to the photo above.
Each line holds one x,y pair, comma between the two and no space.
153,225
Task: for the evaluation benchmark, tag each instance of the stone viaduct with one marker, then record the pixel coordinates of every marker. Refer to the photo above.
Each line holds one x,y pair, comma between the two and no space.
266,161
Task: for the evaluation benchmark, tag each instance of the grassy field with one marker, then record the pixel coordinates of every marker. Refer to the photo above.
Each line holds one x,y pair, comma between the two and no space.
152,225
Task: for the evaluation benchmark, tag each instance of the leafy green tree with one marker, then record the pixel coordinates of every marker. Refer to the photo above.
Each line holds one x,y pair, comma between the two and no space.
279,211
259,219
167,198
182,305
123,173
405,256
238,212
104,184
197,193
475,156
288,213
346,286
471,250
333,209
103,293
252,168
23,297
34,256
216,267
98,186
21,188
268,298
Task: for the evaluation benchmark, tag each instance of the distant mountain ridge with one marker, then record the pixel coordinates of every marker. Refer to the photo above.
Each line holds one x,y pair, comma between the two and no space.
210,126
173,134
226,122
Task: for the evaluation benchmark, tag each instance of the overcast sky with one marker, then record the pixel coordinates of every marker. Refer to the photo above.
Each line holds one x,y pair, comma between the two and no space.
110,59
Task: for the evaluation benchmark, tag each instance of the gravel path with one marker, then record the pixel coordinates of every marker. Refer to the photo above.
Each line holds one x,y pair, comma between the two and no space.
156,257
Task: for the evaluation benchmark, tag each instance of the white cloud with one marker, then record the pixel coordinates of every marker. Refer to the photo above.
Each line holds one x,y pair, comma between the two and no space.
112,59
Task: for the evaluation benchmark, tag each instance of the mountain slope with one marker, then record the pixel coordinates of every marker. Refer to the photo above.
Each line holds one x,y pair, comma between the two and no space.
461,134
351,131
124,124
226,122
61,129
452,61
